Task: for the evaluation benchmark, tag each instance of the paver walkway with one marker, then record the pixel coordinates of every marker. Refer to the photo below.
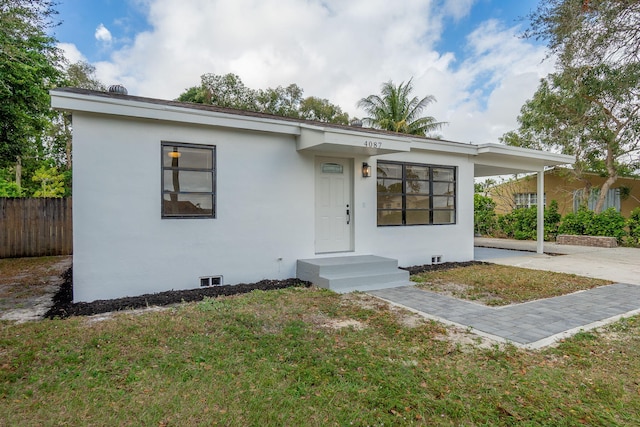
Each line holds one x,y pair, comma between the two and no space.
532,324
538,323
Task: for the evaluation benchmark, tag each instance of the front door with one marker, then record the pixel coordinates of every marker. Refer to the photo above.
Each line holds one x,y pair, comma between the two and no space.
334,208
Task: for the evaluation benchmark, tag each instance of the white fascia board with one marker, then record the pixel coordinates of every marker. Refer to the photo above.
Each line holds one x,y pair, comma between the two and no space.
75,102
443,146
525,154
512,164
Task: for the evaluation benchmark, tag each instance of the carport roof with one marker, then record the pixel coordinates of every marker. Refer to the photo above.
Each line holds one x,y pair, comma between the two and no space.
498,159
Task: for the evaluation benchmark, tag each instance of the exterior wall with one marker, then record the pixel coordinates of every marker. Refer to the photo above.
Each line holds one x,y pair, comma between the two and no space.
265,210
560,188
123,247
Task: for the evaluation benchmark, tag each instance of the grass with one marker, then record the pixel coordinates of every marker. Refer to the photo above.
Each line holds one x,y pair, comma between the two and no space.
495,284
309,357
305,357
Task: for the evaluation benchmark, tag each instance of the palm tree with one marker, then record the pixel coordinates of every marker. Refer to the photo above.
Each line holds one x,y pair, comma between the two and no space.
394,111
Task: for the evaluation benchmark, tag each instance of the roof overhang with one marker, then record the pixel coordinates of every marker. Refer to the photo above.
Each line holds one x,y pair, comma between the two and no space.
146,108
321,139
370,142
498,159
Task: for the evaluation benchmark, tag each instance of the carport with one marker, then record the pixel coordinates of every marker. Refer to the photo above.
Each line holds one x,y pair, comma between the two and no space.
497,159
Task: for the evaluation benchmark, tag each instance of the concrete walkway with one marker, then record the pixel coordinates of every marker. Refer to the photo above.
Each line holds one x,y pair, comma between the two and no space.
538,323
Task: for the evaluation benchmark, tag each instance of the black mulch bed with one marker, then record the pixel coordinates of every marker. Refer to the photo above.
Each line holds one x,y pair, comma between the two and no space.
63,305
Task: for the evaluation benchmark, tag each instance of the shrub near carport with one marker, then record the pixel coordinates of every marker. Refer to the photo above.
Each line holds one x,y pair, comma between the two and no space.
522,223
587,223
633,224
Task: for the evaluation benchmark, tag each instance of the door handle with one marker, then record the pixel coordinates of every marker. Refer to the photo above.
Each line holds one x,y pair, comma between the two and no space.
348,215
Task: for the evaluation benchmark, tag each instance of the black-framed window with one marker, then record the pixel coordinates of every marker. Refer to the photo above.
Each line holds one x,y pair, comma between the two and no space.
415,194
188,180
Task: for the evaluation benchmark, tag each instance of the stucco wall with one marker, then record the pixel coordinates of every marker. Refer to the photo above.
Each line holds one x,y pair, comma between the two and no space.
265,210
123,247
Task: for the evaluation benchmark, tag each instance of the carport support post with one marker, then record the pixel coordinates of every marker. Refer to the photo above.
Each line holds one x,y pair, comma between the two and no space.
540,199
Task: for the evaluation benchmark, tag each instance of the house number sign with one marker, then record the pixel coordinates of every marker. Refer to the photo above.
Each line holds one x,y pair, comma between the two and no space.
373,144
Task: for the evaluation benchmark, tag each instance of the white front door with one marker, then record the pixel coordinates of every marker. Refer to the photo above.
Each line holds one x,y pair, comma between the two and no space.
334,208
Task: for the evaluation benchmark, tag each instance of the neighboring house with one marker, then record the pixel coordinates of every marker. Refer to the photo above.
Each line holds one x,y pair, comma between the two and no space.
170,195
568,191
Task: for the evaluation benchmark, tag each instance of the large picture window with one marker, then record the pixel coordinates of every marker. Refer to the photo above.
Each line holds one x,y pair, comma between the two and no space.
188,180
416,194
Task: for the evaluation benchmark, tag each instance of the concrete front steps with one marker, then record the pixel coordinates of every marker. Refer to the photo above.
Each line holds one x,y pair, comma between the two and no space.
353,273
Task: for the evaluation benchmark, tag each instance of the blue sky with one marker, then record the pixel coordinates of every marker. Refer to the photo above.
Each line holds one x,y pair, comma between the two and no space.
510,12
465,52
81,18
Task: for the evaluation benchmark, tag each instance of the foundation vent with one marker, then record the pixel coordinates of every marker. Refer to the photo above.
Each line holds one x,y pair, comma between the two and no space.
211,281
436,259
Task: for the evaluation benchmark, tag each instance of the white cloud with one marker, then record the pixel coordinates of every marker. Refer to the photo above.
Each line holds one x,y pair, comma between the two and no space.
71,52
102,34
500,74
457,9
337,50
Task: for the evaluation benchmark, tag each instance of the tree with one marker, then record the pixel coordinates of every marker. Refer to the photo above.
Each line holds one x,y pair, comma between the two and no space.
321,110
484,187
29,67
280,101
81,74
229,91
590,112
50,182
589,107
8,188
221,90
583,32
395,111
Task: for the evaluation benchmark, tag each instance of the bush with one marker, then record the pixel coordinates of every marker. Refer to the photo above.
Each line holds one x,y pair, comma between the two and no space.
551,221
609,223
576,223
587,223
9,188
522,224
484,216
633,224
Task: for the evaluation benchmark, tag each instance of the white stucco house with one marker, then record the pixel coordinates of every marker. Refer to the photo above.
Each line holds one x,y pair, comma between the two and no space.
170,195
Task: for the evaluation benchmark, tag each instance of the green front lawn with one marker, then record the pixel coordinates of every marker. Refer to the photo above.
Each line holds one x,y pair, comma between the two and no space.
306,357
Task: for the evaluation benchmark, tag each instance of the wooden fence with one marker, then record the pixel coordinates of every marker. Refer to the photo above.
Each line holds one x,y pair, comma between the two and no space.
35,227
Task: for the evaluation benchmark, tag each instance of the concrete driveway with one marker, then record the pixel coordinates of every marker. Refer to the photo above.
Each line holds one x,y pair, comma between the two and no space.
620,265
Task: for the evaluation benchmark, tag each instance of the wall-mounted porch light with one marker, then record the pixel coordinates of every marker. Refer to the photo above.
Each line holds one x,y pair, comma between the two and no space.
174,154
366,170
